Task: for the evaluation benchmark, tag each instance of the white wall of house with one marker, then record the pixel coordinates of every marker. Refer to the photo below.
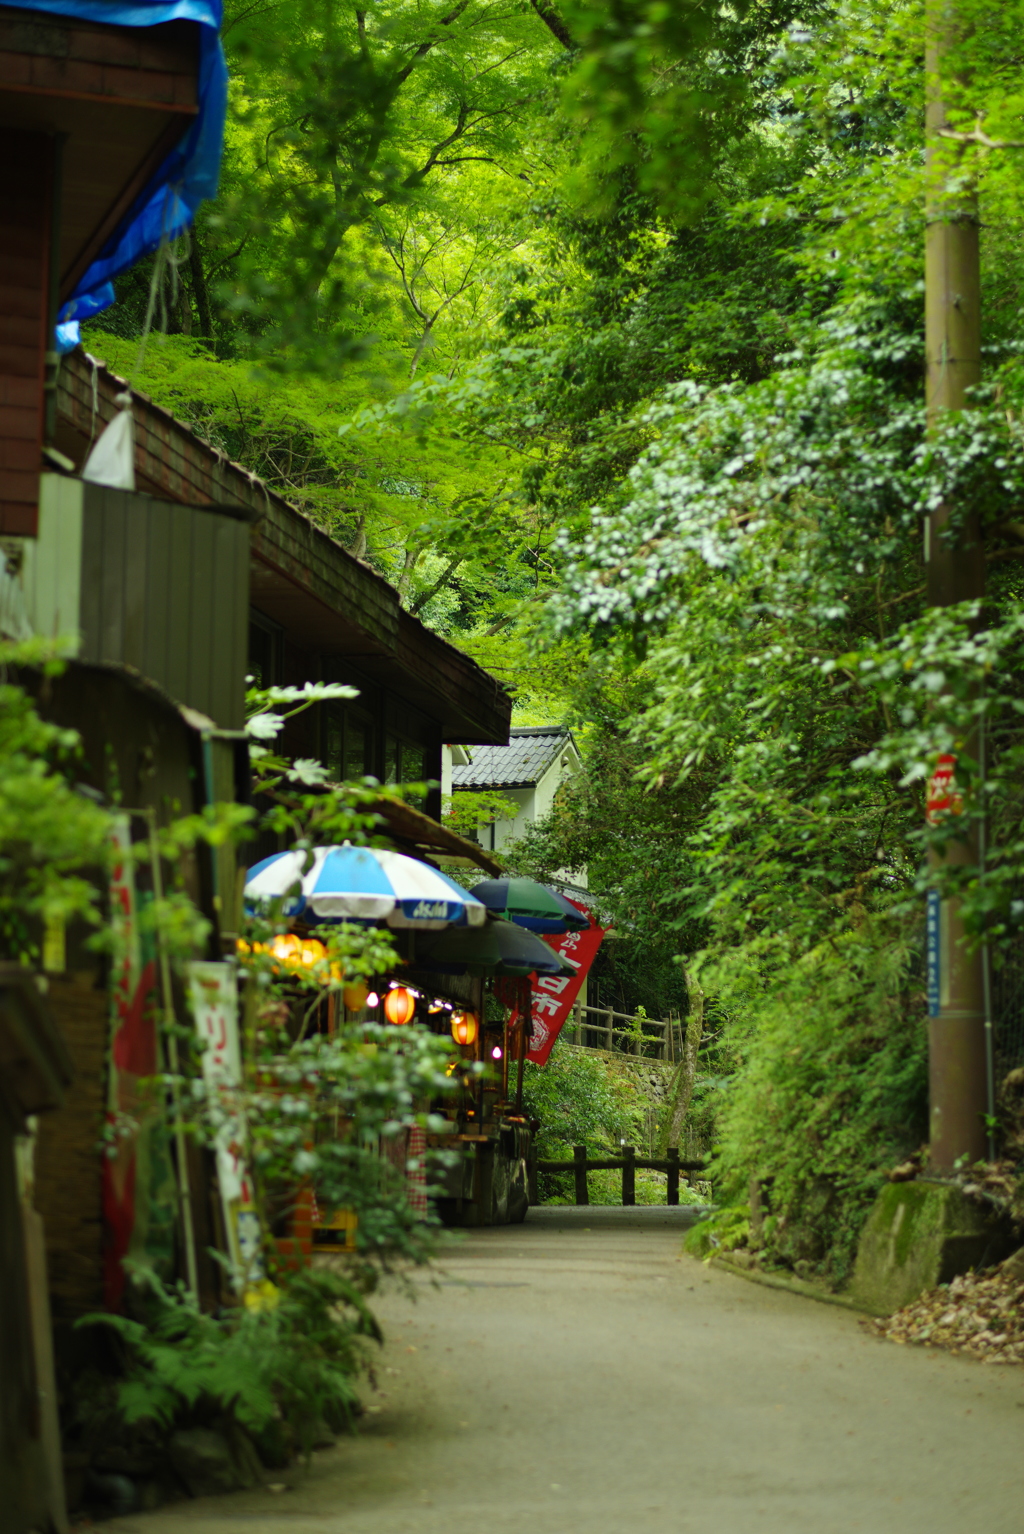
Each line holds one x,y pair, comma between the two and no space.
534,803
452,756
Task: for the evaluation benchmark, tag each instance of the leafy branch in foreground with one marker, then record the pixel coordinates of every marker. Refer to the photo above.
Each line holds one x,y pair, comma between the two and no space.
50,836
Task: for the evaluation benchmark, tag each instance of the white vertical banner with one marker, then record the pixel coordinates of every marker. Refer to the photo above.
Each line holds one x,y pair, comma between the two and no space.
213,992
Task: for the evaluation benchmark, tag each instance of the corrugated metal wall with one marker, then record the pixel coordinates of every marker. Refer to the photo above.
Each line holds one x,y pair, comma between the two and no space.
144,582
165,588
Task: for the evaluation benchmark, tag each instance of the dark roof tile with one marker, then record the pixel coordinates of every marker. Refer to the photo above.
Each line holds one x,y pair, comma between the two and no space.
520,764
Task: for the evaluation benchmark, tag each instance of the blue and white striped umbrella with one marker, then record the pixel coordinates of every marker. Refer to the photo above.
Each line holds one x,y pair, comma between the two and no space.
365,884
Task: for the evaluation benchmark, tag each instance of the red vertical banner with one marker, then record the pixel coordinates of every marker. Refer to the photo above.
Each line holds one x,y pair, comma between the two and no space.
552,996
131,1104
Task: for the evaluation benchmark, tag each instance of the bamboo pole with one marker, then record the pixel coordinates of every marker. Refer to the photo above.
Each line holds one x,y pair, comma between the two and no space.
955,572
525,1021
171,1043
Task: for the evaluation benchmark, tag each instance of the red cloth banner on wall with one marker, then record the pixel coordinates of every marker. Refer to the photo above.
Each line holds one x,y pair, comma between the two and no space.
552,996
131,1105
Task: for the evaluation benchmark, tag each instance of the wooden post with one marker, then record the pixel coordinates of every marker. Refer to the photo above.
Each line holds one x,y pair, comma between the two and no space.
955,572
532,1195
672,1193
628,1175
579,1156
611,1030
525,1024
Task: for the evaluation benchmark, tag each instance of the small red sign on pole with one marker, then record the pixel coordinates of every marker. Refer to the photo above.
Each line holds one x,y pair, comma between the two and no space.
943,797
552,996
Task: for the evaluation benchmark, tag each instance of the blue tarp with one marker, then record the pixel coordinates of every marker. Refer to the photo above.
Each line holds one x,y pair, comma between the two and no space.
167,205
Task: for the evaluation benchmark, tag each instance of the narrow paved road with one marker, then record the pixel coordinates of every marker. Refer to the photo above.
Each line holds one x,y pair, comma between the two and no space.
577,1375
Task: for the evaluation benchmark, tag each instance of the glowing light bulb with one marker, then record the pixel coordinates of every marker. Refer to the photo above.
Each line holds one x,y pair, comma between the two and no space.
373,1000
496,1052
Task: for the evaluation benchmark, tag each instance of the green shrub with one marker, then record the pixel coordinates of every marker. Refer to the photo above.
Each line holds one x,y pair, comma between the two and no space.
723,1231
293,1359
578,1101
831,1089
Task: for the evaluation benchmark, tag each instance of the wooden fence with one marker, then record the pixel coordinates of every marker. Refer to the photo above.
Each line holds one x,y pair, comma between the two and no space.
581,1164
602,1028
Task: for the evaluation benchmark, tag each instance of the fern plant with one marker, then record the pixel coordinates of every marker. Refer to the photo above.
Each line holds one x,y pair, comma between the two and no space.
294,1360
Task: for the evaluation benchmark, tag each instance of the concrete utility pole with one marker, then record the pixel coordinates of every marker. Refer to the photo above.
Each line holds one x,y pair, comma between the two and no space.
955,573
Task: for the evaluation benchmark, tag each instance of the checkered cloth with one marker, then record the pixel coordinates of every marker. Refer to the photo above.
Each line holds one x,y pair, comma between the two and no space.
417,1175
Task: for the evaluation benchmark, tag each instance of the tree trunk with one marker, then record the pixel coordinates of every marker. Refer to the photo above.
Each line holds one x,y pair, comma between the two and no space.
357,548
200,291
409,564
554,22
685,1075
439,585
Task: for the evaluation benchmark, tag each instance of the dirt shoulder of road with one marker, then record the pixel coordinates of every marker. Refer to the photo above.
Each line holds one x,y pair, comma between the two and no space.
787,1281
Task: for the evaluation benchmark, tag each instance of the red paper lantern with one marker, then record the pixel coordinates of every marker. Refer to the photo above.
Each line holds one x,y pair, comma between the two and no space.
465,1027
355,995
399,1005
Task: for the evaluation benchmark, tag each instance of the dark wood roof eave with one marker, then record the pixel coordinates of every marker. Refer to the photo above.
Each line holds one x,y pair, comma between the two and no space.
323,595
430,837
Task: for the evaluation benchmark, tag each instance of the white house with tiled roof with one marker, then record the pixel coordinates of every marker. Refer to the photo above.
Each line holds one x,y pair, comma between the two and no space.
529,771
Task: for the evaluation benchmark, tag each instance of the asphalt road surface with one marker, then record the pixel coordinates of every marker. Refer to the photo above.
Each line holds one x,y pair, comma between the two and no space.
578,1375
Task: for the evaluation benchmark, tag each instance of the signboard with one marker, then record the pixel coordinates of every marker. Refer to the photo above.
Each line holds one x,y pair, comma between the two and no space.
943,796
933,950
552,996
213,992
133,1212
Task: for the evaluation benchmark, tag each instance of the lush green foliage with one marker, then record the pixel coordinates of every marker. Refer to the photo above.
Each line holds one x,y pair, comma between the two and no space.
642,428
293,1359
579,1101
317,1109
467,811
50,837
831,1087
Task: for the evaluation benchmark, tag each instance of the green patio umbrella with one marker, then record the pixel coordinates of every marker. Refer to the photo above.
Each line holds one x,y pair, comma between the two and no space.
537,907
499,948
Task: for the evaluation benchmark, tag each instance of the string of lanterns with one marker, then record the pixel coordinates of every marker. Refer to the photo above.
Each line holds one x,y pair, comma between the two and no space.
400,1008
292,952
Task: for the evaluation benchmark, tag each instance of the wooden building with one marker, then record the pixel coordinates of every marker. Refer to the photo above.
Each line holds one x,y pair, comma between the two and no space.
154,585
172,591
314,613
88,113
100,113
35,1069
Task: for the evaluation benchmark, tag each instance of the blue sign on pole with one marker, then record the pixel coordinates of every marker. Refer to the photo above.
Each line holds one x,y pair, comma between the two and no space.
932,946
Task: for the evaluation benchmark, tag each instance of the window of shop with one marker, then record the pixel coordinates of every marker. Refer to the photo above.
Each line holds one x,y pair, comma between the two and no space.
266,644
347,742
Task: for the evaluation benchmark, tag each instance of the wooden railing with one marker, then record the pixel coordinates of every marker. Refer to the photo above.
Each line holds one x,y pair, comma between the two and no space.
581,1164
651,1037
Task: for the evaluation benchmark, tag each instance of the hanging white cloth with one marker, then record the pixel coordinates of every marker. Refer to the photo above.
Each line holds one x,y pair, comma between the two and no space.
112,460
14,623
